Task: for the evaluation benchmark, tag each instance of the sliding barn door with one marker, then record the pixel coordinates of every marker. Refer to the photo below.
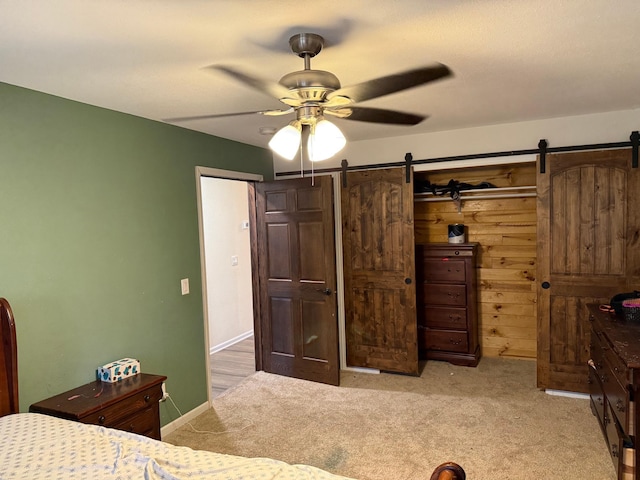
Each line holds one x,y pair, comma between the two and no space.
588,250
379,270
297,279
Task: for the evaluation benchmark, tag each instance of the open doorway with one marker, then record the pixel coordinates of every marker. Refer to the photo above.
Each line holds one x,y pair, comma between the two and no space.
223,208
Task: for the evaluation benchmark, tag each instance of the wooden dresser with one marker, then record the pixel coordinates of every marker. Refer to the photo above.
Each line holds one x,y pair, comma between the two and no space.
131,404
614,382
446,302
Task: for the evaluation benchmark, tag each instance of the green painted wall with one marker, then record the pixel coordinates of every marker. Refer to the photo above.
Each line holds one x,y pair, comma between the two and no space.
98,224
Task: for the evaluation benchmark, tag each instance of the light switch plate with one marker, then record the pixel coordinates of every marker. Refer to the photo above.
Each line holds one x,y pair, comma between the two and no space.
184,286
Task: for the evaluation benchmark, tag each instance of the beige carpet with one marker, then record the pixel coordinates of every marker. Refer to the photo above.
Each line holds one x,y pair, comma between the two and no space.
492,420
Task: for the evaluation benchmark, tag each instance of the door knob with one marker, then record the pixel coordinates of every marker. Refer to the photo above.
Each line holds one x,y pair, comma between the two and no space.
546,285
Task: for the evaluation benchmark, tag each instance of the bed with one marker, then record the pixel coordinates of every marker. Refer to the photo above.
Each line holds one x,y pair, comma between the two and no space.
37,446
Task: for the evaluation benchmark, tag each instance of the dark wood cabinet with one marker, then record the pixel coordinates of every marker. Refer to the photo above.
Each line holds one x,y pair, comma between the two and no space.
131,404
447,303
614,382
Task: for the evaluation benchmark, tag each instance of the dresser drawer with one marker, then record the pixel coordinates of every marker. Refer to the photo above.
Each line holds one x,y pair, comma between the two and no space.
443,270
597,350
621,447
617,366
142,423
444,340
118,412
596,393
617,396
440,294
452,318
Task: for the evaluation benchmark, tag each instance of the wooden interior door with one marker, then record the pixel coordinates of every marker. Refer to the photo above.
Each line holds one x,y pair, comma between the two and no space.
588,250
297,279
379,270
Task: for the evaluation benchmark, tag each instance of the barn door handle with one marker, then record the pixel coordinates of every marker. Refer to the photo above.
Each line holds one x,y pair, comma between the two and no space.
407,281
546,285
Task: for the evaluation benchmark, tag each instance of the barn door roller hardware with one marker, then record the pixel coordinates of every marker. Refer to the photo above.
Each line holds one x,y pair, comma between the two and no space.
542,145
344,164
407,161
635,142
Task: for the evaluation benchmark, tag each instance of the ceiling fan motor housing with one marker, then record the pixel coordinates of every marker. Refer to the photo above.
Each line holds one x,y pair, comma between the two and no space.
311,85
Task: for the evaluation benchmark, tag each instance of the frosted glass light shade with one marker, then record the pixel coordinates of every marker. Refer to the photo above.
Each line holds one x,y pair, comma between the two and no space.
286,141
325,141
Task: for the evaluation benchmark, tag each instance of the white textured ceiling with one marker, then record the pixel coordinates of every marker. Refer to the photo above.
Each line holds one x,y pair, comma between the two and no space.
512,60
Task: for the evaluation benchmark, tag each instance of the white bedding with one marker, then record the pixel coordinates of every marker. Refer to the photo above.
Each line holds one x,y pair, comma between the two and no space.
34,446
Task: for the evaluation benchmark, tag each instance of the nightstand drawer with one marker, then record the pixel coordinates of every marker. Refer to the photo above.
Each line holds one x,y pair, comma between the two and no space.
113,415
143,423
434,294
443,270
452,318
445,340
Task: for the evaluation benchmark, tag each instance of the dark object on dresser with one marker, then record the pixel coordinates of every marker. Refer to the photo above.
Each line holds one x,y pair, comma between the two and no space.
131,404
446,302
614,382
616,301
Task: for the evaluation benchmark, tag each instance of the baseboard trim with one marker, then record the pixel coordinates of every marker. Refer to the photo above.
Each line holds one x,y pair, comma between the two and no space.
184,419
228,343
374,371
564,393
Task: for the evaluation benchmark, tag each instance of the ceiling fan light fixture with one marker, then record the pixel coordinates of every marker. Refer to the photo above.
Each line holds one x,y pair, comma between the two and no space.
286,141
325,140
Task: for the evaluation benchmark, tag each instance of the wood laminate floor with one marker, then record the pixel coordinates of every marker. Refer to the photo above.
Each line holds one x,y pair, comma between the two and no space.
231,365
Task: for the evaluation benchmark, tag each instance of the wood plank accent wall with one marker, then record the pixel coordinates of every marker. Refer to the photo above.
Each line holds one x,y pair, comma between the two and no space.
506,231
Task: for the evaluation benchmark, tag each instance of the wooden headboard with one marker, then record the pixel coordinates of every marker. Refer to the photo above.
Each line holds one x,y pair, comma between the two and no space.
8,361
449,471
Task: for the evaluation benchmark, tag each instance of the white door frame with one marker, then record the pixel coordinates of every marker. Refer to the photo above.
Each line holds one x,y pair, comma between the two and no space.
229,175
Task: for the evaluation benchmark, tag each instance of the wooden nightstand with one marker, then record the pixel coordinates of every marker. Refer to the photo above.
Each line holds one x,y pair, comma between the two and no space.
446,302
131,404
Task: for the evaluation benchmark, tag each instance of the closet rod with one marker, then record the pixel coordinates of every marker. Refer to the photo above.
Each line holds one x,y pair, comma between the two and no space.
474,197
472,156
491,189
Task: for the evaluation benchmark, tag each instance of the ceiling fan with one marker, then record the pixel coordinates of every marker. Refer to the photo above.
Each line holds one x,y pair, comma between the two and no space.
312,94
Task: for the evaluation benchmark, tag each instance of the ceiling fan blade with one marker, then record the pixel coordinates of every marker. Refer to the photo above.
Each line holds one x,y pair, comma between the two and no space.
376,115
269,87
268,113
379,87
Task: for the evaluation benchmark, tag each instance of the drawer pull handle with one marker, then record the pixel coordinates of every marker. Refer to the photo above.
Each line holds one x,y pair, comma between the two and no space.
147,398
132,428
101,419
620,406
454,342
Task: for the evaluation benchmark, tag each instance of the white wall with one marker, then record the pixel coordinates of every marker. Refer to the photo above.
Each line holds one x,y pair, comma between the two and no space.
225,207
565,131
